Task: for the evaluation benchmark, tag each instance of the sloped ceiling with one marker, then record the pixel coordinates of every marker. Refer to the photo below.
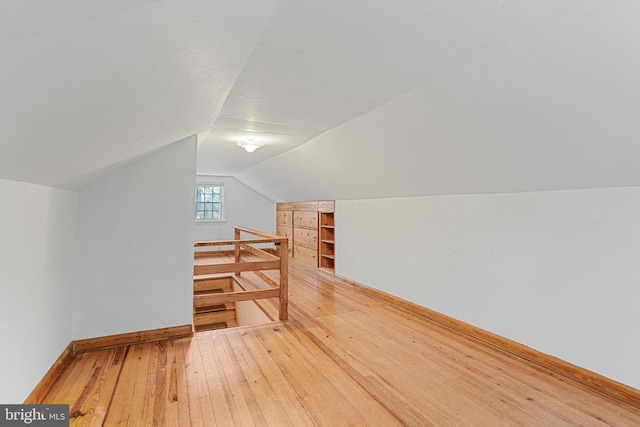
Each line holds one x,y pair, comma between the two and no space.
87,86
511,97
351,99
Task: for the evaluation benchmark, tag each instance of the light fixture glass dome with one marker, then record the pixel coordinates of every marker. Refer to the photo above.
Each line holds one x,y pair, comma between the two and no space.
249,146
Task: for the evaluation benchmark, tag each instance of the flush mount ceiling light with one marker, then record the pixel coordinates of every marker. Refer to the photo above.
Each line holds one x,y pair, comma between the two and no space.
249,146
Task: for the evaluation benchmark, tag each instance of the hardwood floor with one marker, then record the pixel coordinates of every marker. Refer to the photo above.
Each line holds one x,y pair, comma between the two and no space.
343,358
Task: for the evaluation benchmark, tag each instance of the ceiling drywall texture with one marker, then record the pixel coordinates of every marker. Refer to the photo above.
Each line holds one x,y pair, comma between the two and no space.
321,64
352,100
88,86
545,97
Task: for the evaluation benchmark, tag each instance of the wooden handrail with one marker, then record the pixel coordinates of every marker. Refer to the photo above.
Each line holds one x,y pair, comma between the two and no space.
260,233
268,261
233,242
238,267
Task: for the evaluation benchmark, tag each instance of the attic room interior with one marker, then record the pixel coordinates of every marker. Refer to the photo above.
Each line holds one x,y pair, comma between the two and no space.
480,161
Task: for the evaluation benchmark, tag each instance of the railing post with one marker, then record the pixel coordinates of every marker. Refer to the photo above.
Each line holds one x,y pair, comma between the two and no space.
237,247
284,280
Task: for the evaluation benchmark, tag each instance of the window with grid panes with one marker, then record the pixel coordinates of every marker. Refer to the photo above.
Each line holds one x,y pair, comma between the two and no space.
209,202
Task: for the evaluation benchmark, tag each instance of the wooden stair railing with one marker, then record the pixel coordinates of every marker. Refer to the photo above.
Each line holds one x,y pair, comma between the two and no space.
216,269
213,316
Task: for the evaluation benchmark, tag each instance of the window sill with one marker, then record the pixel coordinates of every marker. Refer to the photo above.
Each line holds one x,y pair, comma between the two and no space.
209,221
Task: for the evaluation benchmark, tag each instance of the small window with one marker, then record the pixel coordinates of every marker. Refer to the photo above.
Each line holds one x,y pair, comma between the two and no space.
209,202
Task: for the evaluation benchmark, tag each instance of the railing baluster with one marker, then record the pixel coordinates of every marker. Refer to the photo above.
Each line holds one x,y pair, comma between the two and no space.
237,247
284,280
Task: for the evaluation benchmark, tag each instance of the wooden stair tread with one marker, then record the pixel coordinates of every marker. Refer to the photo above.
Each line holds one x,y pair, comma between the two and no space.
214,317
217,316
214,308
220,284
211,326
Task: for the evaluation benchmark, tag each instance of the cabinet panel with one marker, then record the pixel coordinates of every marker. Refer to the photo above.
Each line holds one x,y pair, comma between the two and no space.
306,237
326,206
286,231
304,206
306,255
284,217
305,219
284,206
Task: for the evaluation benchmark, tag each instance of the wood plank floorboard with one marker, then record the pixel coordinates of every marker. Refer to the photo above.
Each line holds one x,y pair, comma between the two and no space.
343,359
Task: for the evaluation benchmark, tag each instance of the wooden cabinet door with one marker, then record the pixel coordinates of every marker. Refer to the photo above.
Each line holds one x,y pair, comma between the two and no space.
305,219
284,217
306,255
306,237
286,231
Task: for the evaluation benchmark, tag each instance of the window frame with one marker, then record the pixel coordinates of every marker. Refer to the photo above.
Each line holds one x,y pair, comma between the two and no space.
221,202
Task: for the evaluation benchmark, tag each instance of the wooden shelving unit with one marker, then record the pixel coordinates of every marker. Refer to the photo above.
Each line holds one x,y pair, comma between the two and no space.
310,228
327,240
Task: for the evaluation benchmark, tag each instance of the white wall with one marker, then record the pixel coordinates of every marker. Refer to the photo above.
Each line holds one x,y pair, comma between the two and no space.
243,206
556,271
135,246
37,255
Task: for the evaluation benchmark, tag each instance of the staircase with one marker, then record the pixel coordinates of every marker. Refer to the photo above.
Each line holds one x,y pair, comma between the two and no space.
207,317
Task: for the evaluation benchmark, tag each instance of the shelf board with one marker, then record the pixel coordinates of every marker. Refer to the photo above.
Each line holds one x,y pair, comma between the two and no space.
331,242
328,256
328,226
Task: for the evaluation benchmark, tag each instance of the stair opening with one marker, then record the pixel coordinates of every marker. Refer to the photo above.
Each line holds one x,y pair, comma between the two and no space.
252,278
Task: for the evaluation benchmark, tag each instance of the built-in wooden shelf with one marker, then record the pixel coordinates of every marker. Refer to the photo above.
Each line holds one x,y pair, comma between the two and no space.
327,240
310,228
